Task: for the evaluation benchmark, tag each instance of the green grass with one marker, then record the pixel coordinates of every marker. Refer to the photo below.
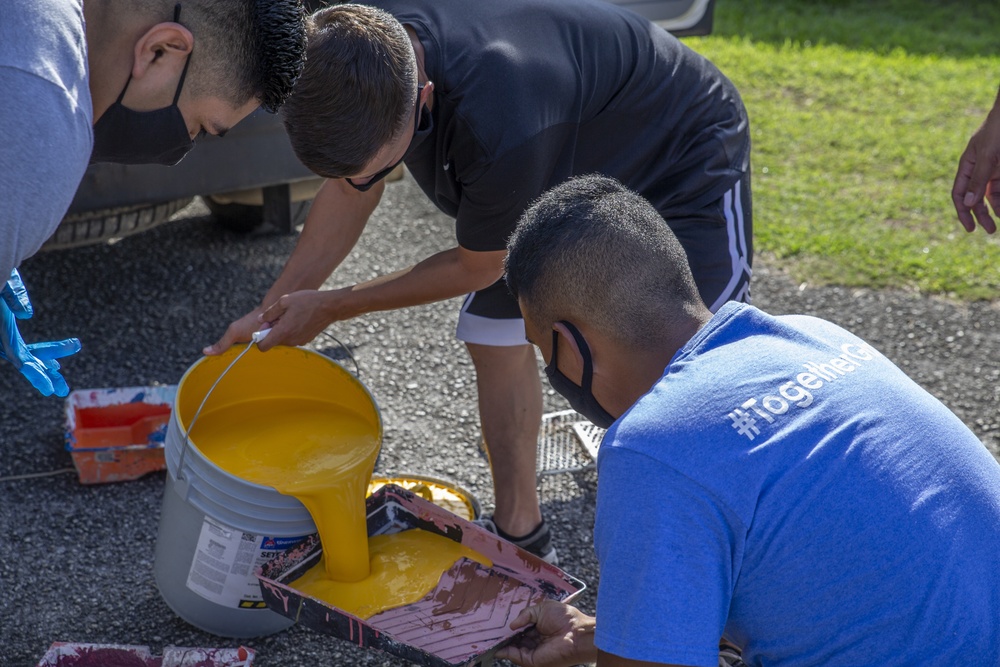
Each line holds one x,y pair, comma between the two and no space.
859,111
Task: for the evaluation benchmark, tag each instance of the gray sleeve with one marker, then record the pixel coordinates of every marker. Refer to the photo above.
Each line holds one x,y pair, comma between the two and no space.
43,155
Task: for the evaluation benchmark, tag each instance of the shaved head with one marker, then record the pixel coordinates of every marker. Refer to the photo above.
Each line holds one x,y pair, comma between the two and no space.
591,250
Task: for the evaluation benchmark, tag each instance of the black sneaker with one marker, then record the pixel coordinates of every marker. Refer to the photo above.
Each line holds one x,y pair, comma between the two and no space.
537,542
730,656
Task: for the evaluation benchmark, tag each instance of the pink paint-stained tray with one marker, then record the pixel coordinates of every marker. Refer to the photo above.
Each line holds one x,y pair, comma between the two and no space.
67,654
462,622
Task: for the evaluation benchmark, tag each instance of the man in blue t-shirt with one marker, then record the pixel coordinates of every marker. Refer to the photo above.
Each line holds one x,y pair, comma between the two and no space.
774,483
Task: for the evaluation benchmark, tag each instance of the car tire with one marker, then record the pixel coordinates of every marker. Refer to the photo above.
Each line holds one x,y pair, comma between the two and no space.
91,227
245,218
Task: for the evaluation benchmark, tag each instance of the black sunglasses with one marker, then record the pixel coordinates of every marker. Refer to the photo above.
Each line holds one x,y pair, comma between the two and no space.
364,187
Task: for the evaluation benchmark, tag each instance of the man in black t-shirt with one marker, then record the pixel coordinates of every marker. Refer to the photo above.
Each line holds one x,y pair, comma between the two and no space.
490,104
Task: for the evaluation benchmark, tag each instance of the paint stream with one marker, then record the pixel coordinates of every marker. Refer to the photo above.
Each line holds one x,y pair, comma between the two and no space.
324,456
313,450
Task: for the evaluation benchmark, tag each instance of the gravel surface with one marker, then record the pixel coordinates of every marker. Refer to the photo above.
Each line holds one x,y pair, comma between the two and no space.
76,561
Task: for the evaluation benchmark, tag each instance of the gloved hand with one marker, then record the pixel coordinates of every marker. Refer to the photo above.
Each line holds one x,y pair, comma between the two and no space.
37,361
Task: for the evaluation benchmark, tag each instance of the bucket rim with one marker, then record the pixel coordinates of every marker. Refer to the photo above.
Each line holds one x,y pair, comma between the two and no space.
186,441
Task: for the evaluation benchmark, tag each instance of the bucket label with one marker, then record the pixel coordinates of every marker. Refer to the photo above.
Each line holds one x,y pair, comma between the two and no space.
222,570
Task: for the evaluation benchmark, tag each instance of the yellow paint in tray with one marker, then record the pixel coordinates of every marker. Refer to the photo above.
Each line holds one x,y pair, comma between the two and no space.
404,568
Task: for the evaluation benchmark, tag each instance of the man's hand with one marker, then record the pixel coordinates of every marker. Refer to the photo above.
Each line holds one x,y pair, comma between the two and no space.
294,319
336,219
978,179
38,361
563,636
297,318
239,331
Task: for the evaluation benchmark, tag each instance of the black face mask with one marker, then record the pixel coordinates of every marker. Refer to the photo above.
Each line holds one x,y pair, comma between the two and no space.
127,136
580,398
423,125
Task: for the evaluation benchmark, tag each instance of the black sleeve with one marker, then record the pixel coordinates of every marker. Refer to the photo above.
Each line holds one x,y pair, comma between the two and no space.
493,202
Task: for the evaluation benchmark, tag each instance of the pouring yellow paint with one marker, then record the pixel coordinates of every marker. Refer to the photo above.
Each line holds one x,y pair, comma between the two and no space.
313,450
323,455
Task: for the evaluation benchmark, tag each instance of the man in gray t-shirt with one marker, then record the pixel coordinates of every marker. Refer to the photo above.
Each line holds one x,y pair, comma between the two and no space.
106,82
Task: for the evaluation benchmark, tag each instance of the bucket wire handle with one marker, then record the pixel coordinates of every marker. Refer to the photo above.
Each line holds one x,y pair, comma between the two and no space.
347,351
256,338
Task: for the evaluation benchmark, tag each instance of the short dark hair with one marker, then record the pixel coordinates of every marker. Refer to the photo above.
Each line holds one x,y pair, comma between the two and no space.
243,49
591,250
357,90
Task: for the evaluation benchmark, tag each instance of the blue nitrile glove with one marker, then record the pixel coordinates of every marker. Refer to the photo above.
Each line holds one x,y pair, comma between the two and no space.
37,361
16,296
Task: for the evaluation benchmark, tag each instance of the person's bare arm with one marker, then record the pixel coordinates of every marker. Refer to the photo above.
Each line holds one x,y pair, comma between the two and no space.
298,317
297,311
336,220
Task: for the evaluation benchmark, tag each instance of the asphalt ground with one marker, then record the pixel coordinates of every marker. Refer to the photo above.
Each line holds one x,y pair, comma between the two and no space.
76,561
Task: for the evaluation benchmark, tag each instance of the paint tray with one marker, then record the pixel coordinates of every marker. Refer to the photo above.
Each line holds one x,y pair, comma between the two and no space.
444,629
115,435
64,654
567,442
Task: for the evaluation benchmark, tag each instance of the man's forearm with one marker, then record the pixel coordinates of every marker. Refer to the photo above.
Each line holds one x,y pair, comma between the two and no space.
336,220
445,275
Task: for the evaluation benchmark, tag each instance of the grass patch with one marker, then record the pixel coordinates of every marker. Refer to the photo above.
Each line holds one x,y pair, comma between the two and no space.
859,111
